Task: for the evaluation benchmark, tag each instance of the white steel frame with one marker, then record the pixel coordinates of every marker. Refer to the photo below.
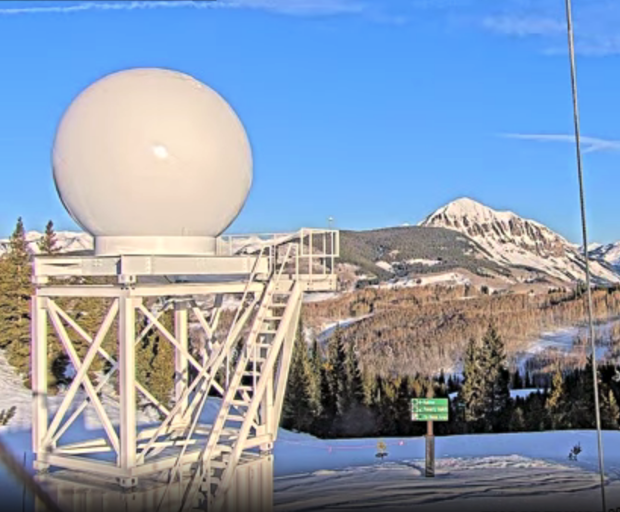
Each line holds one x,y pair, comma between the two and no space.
271,272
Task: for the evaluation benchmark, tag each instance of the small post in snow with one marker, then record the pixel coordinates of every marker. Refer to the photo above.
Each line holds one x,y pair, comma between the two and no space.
430,450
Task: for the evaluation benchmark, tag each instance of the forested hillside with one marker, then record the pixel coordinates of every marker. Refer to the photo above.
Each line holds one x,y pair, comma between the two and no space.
412,331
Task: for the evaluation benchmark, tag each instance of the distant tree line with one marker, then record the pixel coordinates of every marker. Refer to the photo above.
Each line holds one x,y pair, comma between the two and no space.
420,330
330,397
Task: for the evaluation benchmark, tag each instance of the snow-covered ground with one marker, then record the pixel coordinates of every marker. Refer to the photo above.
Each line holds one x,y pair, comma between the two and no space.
329,328
445,278
508,472
562,341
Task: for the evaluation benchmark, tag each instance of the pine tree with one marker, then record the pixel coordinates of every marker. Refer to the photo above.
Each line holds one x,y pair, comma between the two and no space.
580,410
297,412
517,381
527,384
611,411
155,360
517,423
15,292
315,366
555,402
48,243
536,420
370,389
335,373
471,395
353,387
496,380
387,406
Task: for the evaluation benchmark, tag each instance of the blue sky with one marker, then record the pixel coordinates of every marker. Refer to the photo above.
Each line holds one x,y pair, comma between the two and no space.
373,112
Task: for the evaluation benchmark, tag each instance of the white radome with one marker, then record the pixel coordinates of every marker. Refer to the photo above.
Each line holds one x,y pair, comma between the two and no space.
152,161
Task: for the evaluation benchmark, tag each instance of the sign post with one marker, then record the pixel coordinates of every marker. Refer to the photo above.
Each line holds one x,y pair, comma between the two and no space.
430,451
429,410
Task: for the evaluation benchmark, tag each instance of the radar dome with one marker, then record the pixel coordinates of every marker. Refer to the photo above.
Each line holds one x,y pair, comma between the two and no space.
152,161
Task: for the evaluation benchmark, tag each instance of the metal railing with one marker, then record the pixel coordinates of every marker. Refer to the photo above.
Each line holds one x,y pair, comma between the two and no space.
314,250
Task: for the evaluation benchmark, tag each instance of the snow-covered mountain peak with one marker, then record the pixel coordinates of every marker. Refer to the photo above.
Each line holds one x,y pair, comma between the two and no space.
469,211
467,207
513,240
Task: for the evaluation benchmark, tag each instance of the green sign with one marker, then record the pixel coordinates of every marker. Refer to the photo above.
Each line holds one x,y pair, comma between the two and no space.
429,409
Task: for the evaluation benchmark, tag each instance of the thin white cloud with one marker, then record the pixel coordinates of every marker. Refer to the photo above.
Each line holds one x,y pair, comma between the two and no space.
589,144
597,24
523,26
294,7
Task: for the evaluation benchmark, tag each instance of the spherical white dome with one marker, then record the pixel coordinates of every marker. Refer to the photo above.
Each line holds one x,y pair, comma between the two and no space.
152,161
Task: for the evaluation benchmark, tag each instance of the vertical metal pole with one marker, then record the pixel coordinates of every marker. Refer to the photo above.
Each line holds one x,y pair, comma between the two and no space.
430,450
181,373
24,487
39,378
573,69
127,384
266,415
310,256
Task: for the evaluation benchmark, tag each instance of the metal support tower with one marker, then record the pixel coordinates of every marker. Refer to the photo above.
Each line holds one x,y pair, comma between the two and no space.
211,448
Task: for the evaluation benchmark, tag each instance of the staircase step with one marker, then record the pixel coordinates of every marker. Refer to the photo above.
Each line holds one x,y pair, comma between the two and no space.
235,417
240,403
268,331
218,464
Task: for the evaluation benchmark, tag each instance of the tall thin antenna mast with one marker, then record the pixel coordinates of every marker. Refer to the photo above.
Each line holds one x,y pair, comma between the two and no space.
573,68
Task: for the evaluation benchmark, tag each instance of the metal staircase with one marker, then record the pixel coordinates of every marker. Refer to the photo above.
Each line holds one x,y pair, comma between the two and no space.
247,412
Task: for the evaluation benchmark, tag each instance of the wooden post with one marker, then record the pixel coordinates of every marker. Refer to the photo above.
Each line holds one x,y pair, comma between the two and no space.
430,450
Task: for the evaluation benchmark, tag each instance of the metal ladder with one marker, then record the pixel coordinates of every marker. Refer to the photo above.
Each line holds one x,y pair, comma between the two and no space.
232,429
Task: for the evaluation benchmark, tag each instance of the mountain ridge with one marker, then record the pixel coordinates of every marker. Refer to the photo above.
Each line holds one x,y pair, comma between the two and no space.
463,235
517,241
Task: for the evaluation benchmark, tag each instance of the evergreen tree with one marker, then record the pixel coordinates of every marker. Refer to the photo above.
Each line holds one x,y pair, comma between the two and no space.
496,381
315,366
155,360
471,395
353,385
517,381
335,373
387,406
370,386
536,418
612,416
527,384
15,292
48,243
356,418
517,423
297,413
555,402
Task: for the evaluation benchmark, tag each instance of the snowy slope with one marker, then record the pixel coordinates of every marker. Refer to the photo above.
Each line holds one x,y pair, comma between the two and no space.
515,241
609,253
508,472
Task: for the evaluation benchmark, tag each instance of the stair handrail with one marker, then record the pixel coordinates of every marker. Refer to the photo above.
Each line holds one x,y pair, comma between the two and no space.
190,493
244,431
175,469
